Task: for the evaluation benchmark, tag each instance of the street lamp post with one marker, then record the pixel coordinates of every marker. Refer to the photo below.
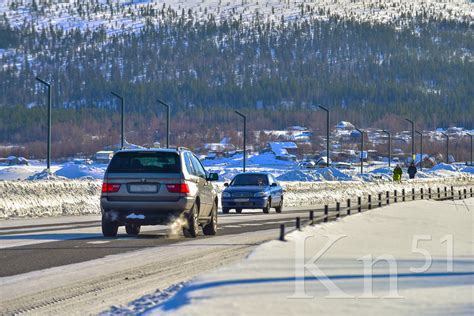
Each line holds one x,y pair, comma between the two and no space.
327,133
361,150
421,149
245,135
122,120
389,147
470,136
167,122
412,139
447,147
48,154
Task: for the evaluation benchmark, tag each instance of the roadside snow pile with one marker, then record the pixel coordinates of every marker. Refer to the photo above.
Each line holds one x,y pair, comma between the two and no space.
323,174
297,175
468,169
17,172
44,175
49,198
78,171
325,269
444,166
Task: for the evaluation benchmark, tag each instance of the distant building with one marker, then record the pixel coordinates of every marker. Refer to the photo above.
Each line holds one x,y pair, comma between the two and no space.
283,150
345,125
103,156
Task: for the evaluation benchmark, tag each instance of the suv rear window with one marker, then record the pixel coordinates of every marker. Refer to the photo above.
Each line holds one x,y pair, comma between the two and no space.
145,162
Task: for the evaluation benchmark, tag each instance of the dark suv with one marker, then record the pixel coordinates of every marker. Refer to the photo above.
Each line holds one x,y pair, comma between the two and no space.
157,186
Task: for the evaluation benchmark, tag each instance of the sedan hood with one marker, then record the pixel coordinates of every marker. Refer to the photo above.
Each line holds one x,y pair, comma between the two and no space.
246,188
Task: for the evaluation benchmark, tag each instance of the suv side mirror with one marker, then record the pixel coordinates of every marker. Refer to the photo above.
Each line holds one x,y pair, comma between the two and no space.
213,176
226,184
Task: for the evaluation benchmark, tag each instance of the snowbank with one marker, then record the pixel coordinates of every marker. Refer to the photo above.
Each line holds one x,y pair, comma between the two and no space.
79,197
322,174
264,282
77,171
49,198
444,166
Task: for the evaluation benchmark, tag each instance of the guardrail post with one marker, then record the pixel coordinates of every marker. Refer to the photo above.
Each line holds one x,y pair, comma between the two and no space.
460,194
429,193
359,203
471,193
282,232
388,198
465,193
421,191
403,195
380,199
326,212
445,192
311,217
298,223
338,209
395,196
348,206
439,193
369,202
452,192
413,193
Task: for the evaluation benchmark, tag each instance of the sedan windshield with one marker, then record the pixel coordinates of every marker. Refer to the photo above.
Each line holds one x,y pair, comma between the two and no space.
250,179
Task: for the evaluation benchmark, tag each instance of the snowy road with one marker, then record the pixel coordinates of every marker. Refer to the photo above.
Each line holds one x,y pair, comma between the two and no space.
35,251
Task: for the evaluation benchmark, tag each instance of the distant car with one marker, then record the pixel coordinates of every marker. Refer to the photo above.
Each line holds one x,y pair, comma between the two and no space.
252,191
155,186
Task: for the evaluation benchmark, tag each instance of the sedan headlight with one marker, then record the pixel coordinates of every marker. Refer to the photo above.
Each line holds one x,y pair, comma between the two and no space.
226,195
261,194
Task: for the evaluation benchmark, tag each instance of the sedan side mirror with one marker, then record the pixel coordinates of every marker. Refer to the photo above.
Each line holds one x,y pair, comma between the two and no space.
226,184
274,184
213,177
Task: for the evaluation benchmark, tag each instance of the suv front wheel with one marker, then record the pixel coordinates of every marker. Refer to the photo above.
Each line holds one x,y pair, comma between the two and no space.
211,228
191,230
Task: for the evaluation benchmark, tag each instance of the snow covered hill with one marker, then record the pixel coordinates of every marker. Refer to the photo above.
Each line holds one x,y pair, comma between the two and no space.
131,15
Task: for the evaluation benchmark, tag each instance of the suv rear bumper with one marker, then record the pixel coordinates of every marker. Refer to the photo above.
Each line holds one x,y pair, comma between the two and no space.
145,213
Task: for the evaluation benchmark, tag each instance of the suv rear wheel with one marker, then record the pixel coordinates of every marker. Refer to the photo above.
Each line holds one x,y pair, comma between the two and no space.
109,228
211,228
192,229
132,229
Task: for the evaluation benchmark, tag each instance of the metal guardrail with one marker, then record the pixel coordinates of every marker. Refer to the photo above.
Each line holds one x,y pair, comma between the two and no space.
383,199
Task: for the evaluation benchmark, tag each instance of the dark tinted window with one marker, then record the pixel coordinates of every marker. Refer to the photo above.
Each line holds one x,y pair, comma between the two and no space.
189,164
144,162
200,172
250,179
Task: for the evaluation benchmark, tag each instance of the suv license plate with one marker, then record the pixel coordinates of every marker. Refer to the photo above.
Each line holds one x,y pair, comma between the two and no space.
143,188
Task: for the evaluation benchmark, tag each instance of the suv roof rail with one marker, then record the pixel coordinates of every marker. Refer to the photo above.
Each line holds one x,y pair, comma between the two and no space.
178,148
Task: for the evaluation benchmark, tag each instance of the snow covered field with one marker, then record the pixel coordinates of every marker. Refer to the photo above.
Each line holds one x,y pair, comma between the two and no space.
430,269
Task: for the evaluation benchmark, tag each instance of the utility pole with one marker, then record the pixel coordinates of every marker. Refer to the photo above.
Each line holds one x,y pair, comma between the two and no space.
122,120
470,136
447,147
389,147
327,133
48,149
412,139
167,122
245,135
361,149
421,149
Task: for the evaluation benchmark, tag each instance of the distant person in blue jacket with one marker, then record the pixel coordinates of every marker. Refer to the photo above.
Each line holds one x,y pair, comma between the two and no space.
412,170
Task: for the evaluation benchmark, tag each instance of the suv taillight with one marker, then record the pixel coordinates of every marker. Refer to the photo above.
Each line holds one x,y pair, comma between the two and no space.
178,188
110,187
